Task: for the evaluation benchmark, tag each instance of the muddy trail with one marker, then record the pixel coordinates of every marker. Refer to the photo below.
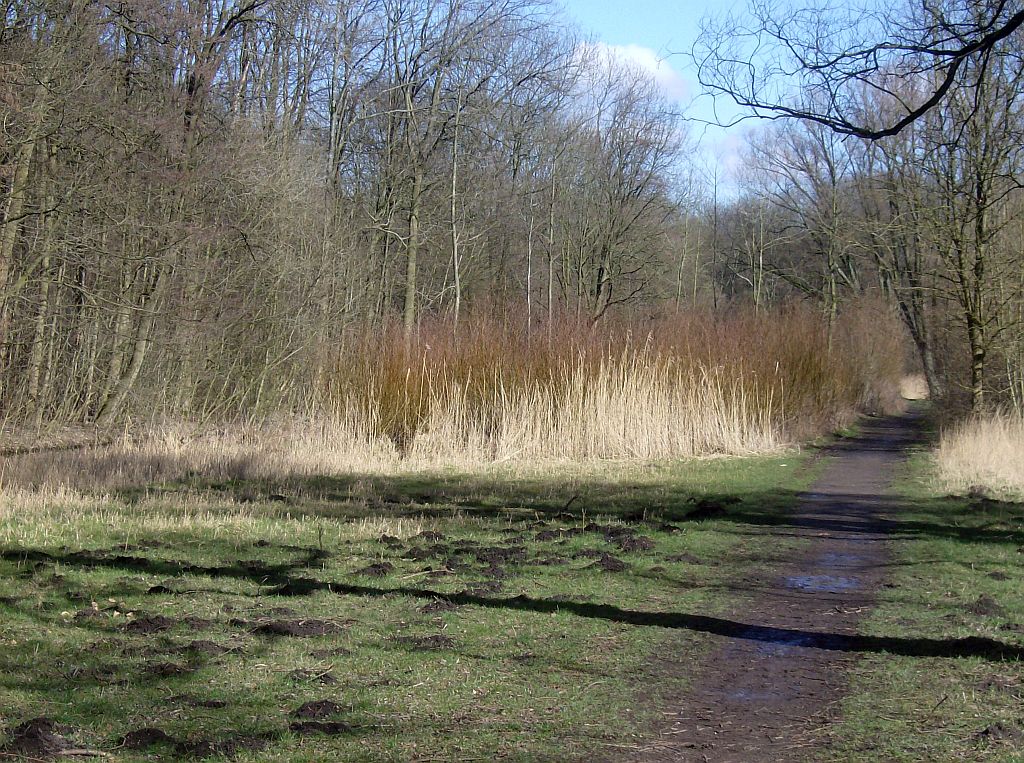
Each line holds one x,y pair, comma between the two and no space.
773,679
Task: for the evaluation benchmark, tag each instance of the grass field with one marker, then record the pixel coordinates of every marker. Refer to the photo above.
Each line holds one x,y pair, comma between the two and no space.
957,574
432,616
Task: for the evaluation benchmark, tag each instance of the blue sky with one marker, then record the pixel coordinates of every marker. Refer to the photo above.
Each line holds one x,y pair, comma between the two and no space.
657,35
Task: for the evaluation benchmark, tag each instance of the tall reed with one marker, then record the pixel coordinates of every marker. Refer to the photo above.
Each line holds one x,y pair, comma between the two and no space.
686,385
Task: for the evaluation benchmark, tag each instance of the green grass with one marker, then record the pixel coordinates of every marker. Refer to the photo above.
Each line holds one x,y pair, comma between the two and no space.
528,661
957,575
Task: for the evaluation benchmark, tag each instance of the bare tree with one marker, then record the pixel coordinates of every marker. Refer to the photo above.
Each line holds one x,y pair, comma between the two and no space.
833,53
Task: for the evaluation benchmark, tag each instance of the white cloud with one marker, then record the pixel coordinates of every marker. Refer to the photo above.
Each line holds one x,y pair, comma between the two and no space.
671,82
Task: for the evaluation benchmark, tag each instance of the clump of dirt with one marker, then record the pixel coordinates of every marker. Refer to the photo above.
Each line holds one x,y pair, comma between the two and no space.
999,732
610,532
330,728
144,738
297,628
632,543
282,612
626,538
588,553
324,677
326,654
438,605
495,572
318,709
684,557
145,625
378,570
390,541
193,701
426,643
167,669
197,623
421,553
609,563
227,747
545,536
1001,685
37,739
454,564
985,605
495,556
203,646
102,674
483,589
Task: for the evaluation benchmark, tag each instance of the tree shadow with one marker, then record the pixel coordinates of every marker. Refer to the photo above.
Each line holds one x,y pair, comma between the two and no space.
286,585
438,496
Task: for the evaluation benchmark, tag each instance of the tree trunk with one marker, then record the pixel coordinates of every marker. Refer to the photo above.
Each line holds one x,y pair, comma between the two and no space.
14,207
412,252
143,339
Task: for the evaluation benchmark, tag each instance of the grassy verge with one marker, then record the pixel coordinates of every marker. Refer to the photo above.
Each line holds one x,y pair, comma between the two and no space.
957,575
433,616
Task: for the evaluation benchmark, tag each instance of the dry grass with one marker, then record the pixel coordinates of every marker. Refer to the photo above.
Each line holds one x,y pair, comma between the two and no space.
984,453
178,452
687,387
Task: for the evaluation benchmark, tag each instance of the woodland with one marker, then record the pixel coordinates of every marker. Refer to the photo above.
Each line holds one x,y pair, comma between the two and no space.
235,209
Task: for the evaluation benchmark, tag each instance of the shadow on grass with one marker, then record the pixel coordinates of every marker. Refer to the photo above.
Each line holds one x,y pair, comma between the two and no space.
284,580
353,497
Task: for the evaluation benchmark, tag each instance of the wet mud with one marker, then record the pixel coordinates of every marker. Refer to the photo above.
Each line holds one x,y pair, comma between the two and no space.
773,680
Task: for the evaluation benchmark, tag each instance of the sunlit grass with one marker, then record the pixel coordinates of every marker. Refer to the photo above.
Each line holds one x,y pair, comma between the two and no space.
523,678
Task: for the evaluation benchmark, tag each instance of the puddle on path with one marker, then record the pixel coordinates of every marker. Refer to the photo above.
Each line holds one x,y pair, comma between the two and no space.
837,559
823,583
752,695
773,642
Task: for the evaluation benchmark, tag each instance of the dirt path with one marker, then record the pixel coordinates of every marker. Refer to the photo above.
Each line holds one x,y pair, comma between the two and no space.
769,685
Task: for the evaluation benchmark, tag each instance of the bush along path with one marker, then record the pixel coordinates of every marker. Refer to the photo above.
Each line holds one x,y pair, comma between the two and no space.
773,682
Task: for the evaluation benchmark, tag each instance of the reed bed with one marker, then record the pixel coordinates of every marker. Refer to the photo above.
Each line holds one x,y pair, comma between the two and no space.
687,386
